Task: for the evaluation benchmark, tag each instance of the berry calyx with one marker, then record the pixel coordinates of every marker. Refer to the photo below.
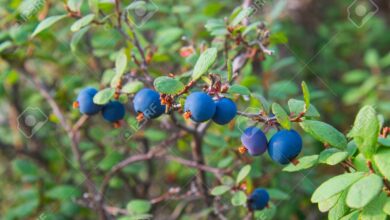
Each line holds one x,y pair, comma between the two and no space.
76,104
85,102
258,200
148,102
284,146
242,150
114,111
187,115
225,111
254,140
200,105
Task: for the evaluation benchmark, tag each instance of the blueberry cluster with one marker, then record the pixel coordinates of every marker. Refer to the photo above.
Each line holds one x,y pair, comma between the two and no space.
113,111
200,107
283,147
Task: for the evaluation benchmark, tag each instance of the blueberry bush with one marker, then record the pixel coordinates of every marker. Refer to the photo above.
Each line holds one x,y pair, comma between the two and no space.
194,109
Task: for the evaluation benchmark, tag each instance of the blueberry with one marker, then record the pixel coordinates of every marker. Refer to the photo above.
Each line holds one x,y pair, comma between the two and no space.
254,140
225,111
200,106
284,146
85,101
113,111
148,102
258,200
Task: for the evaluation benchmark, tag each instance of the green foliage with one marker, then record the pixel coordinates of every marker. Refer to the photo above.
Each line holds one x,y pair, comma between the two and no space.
205,61
50,50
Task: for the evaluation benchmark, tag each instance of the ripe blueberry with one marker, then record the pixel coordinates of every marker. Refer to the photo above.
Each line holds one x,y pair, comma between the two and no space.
113,111
85,102
200,106
284,146
225,111
258,200
254,140
147,102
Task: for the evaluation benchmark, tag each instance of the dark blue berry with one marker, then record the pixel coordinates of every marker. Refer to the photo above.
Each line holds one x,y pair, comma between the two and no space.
258,200
200,105
284,146
85,101
225,111
113,111
148,102
254,140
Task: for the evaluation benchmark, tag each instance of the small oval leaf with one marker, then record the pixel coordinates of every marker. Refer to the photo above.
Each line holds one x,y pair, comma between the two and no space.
104,96
206,59
335,185
82,22
243,173
219,190
168,85
238,89
132,87
281,116
239,198
49,21
304,163
364,190
325,133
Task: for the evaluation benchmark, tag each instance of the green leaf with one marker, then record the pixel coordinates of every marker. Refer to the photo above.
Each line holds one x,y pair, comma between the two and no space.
365,131
281,116
371,58
306,95
298,106
4,45
339,209
121,63
351,216
94,6
386,206
335,185
132,87
26,169
138,206
332,156
110,160
49,21
219,190
278,194
304,163
168,85
229,69
239,198
263,102
82,22
239,89
327,204
243,173
63,192
74,5
104,96
267,213
325,133
168,36
244,13
382,161
206,59
364,190
374,210
77,37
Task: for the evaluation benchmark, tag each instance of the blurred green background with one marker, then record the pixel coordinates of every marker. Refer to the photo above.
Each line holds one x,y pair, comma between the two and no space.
344,58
